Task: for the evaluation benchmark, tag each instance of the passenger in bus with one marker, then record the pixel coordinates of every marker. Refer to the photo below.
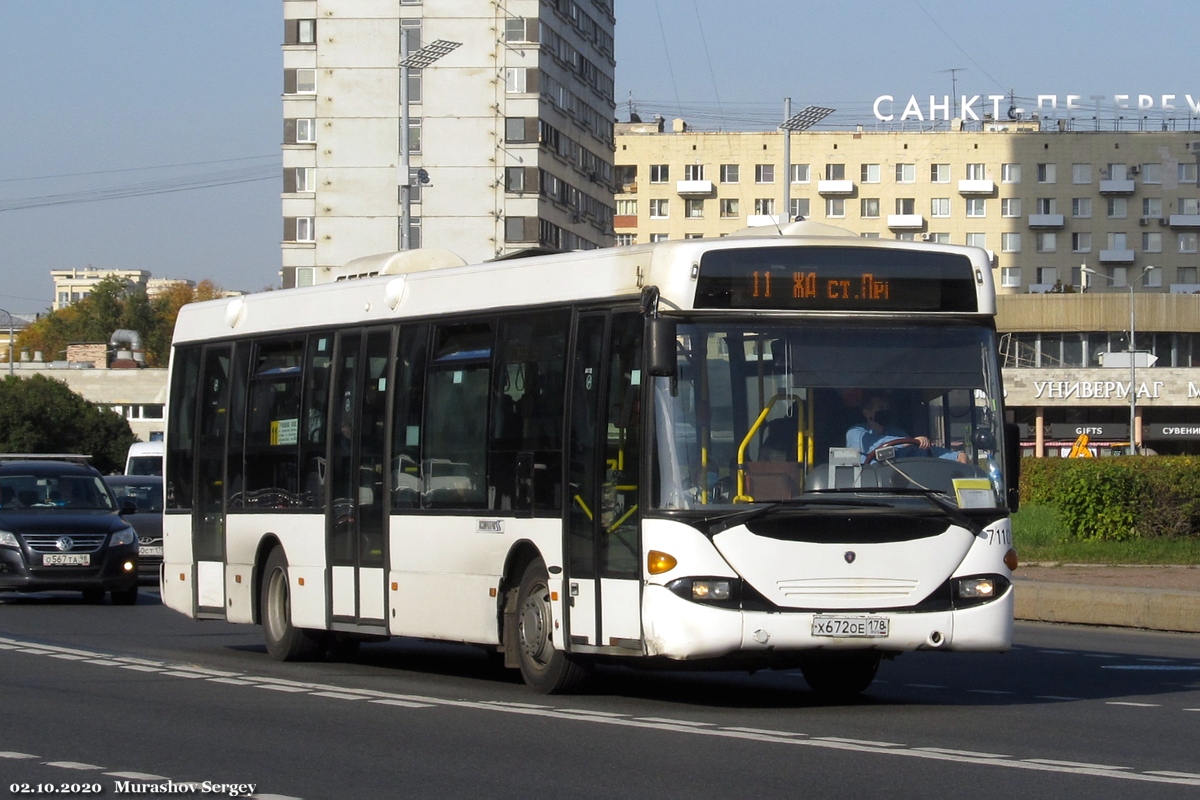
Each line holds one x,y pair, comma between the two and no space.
878,429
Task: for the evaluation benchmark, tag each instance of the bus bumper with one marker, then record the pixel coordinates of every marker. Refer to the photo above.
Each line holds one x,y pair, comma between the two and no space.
683,630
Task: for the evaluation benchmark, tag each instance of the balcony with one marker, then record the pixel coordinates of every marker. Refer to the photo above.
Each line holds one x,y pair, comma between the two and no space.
835,187
1041,288
976,187
906,222
1123,186
694,188
759,220
1045,220
1185,288
625,220
1184,220
1116,256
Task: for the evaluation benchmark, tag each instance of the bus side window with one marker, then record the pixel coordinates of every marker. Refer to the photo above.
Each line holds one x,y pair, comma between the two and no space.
314,416
527,412
454,450
409,390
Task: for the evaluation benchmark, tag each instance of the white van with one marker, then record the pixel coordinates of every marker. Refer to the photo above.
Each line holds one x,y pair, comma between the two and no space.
145,458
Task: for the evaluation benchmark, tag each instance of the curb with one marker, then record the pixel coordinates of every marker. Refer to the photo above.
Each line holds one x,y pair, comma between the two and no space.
1153,609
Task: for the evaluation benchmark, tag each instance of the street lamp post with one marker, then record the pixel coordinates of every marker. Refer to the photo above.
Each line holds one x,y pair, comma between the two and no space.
1131,285
793,124
420,59
10,340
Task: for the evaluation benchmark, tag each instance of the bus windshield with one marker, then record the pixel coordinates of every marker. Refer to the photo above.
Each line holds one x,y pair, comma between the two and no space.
770,412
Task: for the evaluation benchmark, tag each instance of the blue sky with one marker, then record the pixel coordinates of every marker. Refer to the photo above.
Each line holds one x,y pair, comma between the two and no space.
154,96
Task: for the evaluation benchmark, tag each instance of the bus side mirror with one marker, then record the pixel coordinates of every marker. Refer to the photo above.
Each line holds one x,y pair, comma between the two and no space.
660,338
1012,461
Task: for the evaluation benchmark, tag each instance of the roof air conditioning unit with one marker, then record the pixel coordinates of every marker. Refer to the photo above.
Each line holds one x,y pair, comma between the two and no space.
1144,221
1134,170
1163,221
926,237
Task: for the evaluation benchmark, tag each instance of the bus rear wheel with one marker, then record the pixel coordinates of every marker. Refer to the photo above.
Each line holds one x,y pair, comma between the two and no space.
545,669
285,642
841,677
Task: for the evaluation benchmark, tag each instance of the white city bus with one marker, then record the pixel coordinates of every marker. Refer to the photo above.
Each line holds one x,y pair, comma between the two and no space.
637,454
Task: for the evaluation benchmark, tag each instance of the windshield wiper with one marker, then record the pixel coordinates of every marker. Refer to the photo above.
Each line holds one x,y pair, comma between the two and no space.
741,518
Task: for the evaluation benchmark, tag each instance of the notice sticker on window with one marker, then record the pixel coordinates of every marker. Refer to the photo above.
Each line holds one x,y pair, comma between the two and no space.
974,493
285,431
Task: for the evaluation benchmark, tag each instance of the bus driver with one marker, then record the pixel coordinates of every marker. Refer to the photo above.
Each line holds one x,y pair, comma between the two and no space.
878,429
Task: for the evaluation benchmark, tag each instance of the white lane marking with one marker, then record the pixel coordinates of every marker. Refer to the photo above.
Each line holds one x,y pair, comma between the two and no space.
67,656
989,691
864,742
232,681
338,695
137,776
1055,697
71,765
34,651
103,662
1192,709
11,754
141,668
1170,774
1080,764
1154,667
516,705
1099,655
383,701
179,673
970,753
1159,660
590,713
764,732
923,686
833,743
1135,705
663,721
1056,652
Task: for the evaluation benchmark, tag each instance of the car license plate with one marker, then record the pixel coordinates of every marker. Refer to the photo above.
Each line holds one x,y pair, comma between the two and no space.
150,550
67,560
851,627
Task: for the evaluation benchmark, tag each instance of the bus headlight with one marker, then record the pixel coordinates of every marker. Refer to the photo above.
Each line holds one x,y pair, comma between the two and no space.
977,588
724,592
711,590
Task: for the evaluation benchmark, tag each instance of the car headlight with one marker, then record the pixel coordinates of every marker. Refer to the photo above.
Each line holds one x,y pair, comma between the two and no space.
123,536
8,540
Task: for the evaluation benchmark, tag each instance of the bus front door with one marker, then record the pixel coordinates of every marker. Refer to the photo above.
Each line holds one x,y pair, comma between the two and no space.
602,521
356,504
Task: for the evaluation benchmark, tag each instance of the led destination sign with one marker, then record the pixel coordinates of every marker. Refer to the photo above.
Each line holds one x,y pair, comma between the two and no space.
835,279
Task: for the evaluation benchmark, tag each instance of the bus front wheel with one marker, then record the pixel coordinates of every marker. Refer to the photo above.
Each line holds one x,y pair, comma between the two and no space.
285,642
544,668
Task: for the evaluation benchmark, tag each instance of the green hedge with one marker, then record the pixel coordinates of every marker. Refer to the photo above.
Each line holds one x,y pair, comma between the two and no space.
1118,498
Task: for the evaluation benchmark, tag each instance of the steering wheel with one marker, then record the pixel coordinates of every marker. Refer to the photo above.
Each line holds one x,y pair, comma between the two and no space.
893,443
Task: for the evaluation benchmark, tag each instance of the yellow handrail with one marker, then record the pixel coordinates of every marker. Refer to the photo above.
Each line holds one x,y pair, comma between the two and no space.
742,497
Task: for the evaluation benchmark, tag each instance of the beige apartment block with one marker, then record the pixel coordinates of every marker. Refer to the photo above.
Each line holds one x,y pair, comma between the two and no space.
72,285
1045,204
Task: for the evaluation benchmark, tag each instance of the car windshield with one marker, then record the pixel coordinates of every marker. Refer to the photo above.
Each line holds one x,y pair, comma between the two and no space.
79,492
147,497
769,412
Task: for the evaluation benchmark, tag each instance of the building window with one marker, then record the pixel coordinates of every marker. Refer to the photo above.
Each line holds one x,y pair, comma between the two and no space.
299,31
800,173
660,173
1047,242
519,29
976,172
410,34
1116,172
939,173
939,207
1047,205
869,235
299,81
870,207
306,131
764,173
729,208
1152,207
414,86
659,237
1047,275
976,207
835,172
1187,243
514,181
799,208
977,240
299,179
1010,242
1153,278
870,173
906,205
1081,242
1152,173
1152,243
1186,274
1081,173
1010,173
835,207
729,173
693,208
516,80
1047,173
626,239
1117,207
627,208
1010,207
906,173
1116,241
1010,277
907,236
298,229
1081,208
940,238
1187,173
414,135
659,208
1189,205
693,172
764,206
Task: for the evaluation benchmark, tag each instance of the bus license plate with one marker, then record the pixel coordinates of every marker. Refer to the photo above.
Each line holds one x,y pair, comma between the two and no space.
67,560
851,627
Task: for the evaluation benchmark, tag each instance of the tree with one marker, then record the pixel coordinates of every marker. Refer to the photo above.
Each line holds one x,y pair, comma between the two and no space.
42,415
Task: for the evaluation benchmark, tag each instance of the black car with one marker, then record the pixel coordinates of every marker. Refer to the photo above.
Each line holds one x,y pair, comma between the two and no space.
146,493
61,529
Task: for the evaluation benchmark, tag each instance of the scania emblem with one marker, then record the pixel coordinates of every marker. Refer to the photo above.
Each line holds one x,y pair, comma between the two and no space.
850,556
64,543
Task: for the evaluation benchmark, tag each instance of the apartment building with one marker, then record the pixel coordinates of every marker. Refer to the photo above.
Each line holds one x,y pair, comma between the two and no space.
1071,219
510,132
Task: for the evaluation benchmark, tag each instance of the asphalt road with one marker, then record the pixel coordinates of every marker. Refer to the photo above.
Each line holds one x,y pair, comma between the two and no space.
108,700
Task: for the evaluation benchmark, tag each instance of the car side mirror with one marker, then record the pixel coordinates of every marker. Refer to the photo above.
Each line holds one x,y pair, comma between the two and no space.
983,439
128,507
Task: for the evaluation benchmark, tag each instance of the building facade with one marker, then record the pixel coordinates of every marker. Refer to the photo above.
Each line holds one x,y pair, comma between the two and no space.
510,133
1090,233
72,285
